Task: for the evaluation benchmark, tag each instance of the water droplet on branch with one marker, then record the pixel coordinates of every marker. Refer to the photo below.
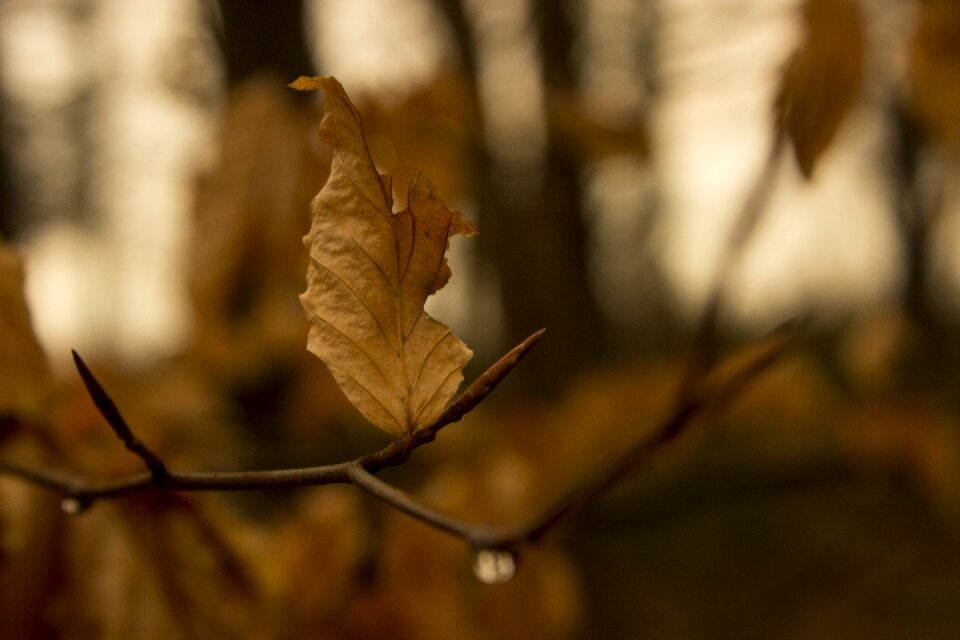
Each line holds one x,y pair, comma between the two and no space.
494,566
72,505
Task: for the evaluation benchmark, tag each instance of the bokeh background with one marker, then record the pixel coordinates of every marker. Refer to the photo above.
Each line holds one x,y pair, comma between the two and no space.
155,175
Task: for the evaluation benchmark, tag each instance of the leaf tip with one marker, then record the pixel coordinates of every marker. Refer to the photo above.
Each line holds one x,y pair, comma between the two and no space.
309,83
531,340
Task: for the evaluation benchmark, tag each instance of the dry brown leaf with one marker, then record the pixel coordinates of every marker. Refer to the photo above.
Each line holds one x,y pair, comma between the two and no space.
822,81
370,274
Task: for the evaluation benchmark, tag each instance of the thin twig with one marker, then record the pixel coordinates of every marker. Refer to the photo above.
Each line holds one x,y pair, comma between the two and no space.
109,411
87,490
696,401
397,452
478,536
41,477
360,472
692,403
402,501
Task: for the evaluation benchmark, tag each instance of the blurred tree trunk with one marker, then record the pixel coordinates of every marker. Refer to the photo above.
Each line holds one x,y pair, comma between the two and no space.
534,237
262,186
10,211
11,221
913,211
918,204
26,202
564,251
264,36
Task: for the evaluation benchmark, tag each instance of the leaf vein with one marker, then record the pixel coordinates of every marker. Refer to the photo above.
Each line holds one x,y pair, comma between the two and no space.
373,397
357,296
356,242
359,347
433,395
426,358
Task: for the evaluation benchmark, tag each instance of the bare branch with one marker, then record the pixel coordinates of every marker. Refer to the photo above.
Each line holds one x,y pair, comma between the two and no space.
160,477
693,401
479,536
402,501
41,477
748,219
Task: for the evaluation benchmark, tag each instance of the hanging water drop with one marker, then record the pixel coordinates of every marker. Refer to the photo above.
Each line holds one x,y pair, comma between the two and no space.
494,566
72,505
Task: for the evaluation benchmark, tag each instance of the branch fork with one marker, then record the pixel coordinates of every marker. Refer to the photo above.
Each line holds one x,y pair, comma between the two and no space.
79,493
695,399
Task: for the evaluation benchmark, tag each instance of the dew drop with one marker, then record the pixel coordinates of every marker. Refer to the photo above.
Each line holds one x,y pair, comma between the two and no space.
72,505
494,566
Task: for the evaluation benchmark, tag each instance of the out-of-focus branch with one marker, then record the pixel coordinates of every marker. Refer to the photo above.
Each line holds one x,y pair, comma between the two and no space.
748,219
693,402
702,389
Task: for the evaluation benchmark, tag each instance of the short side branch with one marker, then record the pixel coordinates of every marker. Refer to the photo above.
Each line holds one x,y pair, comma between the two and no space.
109,410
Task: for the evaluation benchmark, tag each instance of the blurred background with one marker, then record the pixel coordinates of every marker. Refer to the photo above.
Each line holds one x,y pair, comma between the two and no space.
155,175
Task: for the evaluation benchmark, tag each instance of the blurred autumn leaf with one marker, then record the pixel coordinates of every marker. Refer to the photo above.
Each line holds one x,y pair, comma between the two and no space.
582,133
431,130
422,565
28,515
822,80
158,567
935,69
246,258
370,273
310,562
24,377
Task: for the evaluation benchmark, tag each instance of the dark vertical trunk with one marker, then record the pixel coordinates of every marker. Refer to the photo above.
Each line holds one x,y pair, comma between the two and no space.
914,216
29,197
930,364
264,36
11,215
10,212
562,197
533,234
